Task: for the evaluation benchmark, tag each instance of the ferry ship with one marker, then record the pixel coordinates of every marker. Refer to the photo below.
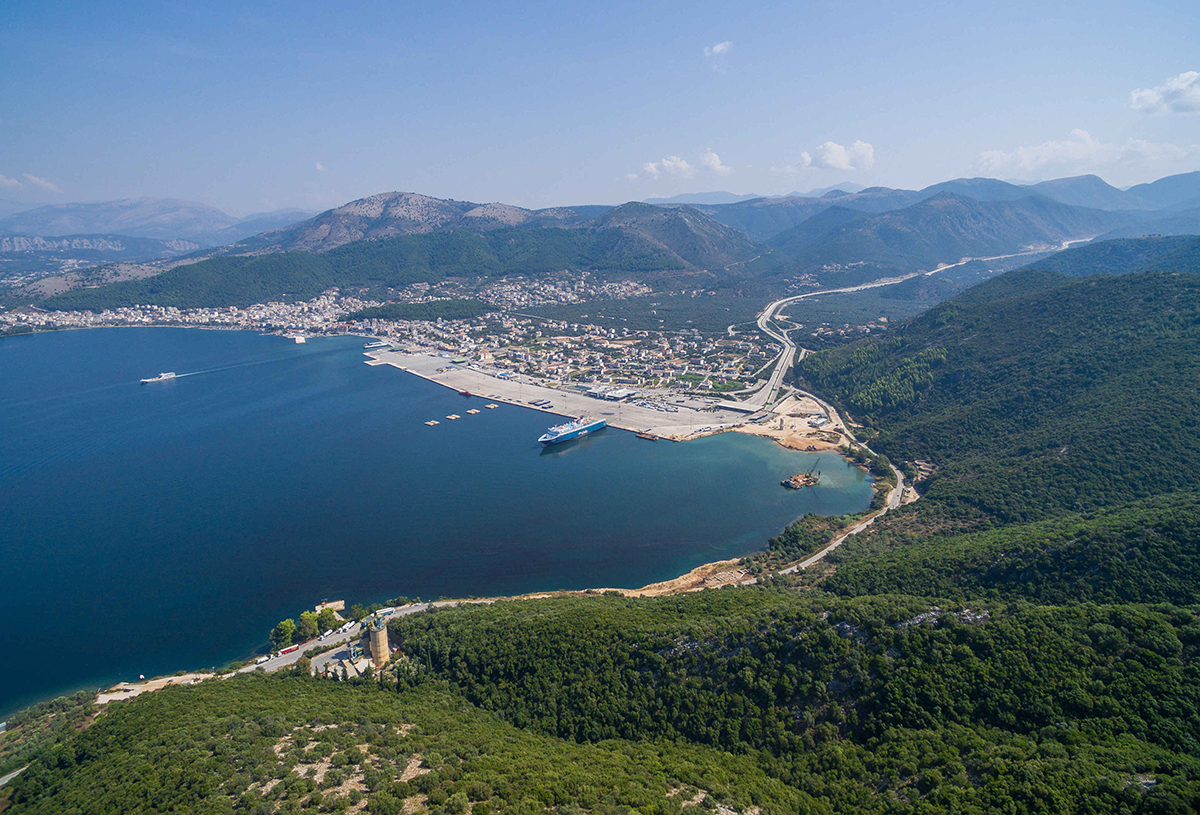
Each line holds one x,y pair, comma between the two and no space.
572,430
377,344
160,378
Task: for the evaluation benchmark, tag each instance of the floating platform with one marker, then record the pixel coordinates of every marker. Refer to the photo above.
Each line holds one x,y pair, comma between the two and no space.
453,416
491,407
473,411
432,422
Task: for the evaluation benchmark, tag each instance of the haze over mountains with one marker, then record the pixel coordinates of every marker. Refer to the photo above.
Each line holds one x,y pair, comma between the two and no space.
162,218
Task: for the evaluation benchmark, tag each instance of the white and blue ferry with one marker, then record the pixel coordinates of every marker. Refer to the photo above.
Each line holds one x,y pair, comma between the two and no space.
572,430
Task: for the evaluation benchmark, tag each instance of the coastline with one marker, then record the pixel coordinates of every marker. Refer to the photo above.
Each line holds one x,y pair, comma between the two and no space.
703,419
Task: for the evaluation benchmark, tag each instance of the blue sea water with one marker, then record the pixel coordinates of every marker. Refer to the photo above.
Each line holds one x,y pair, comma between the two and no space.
150,529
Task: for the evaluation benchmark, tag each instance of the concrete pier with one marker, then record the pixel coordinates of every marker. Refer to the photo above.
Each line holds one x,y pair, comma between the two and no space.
692,416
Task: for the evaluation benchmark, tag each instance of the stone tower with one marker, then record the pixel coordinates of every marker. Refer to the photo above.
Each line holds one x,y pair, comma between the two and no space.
380,652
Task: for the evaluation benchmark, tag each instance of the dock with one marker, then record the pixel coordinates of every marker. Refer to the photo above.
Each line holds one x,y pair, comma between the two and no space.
692,415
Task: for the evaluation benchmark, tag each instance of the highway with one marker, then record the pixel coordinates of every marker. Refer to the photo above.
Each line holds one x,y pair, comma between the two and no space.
767,395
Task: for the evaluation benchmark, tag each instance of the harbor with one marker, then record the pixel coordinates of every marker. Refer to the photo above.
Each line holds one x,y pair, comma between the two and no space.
673,416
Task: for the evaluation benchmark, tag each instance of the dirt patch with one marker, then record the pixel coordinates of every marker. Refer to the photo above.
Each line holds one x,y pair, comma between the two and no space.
414,768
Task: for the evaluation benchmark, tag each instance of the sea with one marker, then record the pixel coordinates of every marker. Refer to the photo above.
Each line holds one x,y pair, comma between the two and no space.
148,529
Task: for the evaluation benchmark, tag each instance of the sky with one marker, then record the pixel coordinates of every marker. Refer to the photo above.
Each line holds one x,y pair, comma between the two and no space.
252,107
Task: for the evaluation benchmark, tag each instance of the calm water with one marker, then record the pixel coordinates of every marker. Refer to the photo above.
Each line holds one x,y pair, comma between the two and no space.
149,529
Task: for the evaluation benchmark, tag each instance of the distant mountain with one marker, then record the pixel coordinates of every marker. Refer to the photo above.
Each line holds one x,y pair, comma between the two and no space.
981,189
704,198
1170,191
941,229
11,207
845,186
261,222
24,256
637,240
163,218
405,213
115,247
1089,191
685,233
1126,256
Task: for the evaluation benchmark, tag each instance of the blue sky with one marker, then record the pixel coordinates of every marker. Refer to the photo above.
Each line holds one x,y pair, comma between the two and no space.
258,106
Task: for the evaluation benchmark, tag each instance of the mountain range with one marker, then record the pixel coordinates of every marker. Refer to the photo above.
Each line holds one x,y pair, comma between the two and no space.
759,245
161,218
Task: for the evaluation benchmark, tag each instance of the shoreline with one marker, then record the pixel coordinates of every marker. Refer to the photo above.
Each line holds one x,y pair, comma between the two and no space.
787,425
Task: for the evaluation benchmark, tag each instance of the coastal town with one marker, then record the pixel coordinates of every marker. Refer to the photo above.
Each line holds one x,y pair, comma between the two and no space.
506,341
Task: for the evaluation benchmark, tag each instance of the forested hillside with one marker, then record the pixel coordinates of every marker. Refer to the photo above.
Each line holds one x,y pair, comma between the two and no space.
1147,551
1065,399
1126,256
378,265
847,248
761,700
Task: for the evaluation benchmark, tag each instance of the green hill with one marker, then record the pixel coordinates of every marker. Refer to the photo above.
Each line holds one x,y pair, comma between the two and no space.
378,265
636,240
1123,256
1146,552
1064,399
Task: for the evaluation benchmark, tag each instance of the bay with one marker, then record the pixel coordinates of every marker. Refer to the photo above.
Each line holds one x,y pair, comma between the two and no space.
146,529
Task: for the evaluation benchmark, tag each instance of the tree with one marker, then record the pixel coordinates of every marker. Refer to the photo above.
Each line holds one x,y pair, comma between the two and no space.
281,636
309,626
327,620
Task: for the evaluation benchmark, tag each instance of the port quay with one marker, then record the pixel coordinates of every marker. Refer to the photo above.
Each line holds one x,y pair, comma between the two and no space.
680,417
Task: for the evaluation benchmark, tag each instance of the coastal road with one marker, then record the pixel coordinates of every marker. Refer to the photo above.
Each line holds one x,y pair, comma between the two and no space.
893,500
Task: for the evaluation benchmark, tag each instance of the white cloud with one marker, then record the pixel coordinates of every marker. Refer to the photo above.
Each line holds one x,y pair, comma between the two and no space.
1179,94
1078,153
713,162
41,183
833,156
10,183
671,165
718,49
674,165
631,176
320,167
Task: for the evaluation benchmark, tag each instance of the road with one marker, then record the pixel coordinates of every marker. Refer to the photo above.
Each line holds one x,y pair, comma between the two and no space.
767,395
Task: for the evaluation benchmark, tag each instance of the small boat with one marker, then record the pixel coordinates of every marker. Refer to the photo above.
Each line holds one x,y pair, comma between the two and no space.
464,393
164,377
647,436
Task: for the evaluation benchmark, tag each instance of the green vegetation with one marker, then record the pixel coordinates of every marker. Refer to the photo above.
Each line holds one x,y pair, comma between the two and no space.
1127,256
1025,638
756,697
1148,551
379,265
36,728
873,704
709,314
843,247
293,744
1062,400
